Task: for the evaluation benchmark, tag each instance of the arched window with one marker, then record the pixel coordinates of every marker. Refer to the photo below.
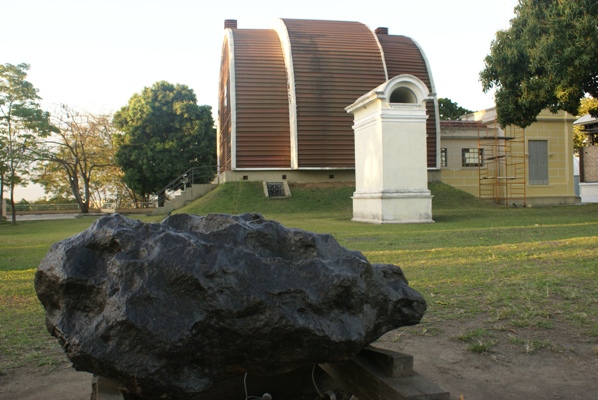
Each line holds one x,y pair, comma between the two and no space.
403,95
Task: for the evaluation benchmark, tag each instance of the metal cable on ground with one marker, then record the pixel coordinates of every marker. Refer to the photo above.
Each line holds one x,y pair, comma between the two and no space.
265,396
330,395
245,386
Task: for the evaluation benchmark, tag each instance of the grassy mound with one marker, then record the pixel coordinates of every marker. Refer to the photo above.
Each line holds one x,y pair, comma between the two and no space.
240,197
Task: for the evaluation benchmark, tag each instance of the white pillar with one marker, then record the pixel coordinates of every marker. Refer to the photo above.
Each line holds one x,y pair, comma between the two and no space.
391,178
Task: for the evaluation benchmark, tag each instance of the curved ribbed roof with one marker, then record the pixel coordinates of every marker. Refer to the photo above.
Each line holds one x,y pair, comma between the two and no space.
334,63
291,87
262,109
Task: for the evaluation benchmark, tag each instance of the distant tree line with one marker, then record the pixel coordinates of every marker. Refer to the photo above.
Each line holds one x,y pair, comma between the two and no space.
449,110
93,158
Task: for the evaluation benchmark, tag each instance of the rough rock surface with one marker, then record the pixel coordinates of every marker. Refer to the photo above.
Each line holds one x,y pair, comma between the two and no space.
170,308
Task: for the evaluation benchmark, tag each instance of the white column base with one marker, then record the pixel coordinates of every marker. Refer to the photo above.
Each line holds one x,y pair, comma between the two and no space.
393,207
588,192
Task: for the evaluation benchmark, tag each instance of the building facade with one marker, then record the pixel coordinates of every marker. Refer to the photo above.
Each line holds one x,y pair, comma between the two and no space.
512,166
283,93
281,116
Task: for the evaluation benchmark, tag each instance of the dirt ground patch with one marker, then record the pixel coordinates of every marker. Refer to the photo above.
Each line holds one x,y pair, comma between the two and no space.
60,383
553,364
549,365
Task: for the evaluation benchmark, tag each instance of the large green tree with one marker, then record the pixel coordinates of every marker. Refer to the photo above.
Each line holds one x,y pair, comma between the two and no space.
546,59
165,133
21,120
450,110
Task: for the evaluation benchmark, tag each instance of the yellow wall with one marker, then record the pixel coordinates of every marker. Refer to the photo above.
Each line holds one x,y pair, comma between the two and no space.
557,129
464,178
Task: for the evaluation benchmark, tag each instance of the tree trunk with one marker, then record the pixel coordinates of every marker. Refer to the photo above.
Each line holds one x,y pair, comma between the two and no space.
74,184
2,205
87,195
12,188
1,198
12,204
12,174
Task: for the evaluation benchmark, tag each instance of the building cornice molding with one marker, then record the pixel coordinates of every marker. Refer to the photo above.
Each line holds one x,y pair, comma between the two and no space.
229,38
283,35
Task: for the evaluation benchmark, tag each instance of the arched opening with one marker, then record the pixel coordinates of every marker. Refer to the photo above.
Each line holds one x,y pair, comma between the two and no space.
403,95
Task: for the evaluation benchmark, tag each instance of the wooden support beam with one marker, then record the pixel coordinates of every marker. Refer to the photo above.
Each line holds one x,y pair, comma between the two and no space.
378,374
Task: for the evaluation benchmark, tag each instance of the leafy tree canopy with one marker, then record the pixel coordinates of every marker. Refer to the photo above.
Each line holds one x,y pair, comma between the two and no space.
546,59
450,110
165,133
587,104
71,160
579,136
22,121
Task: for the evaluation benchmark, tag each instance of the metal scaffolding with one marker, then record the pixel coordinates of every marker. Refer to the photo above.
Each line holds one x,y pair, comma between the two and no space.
502,165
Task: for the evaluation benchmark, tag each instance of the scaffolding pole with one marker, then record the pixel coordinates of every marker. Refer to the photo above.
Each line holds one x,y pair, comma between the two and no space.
502,165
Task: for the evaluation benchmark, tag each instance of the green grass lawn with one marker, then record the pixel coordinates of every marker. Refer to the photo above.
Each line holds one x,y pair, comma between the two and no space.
505,268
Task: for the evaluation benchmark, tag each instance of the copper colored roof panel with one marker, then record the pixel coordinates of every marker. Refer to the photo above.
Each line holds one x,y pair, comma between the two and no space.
262,107
335,63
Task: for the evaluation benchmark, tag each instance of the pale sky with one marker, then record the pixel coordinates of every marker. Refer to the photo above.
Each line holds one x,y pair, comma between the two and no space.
94,55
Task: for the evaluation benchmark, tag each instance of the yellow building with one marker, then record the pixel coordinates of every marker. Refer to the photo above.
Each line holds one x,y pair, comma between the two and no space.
514,166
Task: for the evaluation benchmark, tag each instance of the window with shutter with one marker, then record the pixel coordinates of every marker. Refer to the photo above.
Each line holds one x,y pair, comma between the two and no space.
538,162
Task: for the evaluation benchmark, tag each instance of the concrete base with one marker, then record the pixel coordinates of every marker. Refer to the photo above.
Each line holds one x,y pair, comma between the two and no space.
373,374
184,197
544,201
104,389
588,191
286,191
376,374
291,176
393,207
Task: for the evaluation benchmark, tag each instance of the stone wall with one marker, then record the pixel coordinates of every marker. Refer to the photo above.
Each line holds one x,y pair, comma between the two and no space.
590,163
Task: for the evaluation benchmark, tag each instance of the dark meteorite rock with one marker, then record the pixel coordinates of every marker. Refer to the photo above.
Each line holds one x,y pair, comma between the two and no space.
169,309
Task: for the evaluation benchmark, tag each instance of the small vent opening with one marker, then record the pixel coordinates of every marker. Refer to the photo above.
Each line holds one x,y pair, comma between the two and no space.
274,190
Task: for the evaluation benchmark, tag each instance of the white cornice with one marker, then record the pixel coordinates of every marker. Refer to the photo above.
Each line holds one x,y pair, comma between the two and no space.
229,38
283,35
